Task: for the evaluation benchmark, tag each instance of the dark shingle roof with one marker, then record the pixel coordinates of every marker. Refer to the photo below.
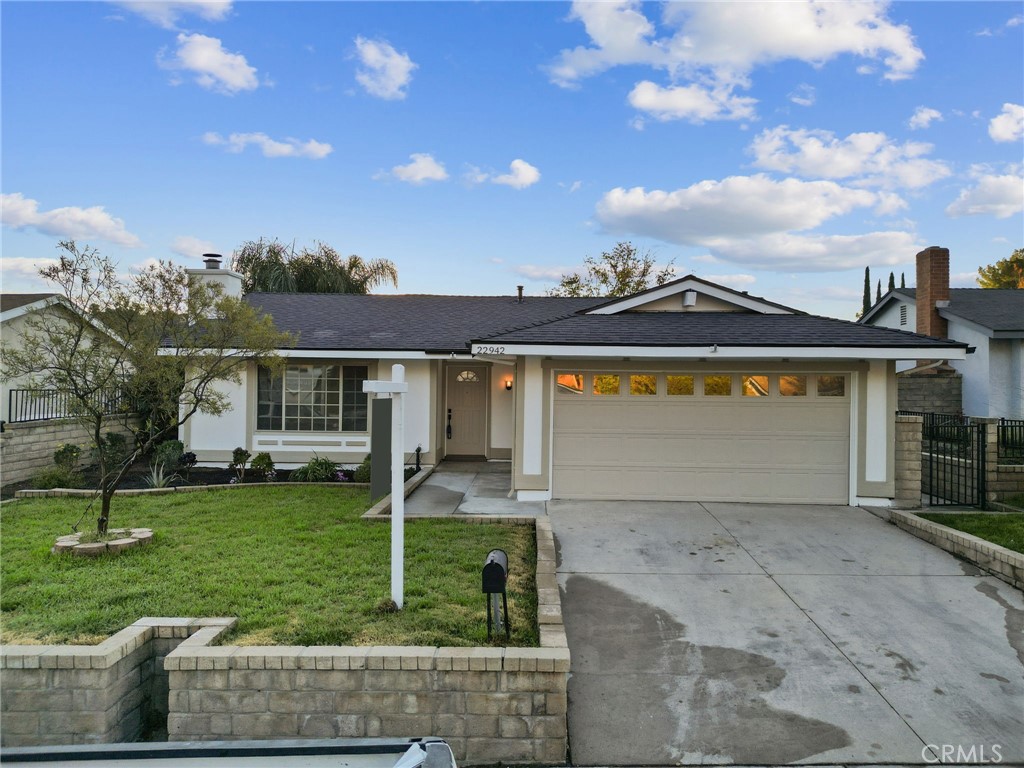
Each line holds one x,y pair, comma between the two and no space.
411,322
14,300
695,329
998,309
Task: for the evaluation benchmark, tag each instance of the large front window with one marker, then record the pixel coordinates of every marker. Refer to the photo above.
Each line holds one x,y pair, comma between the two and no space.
312,398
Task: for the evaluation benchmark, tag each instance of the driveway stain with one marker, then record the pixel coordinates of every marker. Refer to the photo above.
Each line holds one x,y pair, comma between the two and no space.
904,666
990,676
642,694
1014,620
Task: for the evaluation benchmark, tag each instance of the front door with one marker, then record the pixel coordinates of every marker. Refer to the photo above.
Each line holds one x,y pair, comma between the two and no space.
466,415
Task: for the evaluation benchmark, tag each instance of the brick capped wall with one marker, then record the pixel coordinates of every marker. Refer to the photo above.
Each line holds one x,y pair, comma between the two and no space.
27,447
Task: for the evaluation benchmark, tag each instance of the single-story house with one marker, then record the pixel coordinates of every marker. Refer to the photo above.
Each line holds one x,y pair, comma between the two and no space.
685,391
989,320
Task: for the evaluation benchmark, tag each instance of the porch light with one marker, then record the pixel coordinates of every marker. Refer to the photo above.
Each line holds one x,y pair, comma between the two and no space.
508,383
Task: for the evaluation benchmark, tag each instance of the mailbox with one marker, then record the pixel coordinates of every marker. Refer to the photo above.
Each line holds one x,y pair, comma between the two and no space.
494,578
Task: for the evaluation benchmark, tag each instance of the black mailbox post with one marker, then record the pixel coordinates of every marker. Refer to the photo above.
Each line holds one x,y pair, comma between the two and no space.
495,576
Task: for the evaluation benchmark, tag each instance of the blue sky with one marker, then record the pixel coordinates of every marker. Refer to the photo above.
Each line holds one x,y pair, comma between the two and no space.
778,148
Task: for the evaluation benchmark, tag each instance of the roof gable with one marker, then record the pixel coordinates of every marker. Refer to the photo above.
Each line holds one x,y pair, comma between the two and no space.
1000,310
690,294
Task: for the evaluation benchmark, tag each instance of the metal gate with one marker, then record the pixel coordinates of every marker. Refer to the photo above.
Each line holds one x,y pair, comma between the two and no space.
952,460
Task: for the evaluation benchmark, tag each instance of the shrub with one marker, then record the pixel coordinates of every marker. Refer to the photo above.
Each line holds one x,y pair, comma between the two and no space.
114,449
168,454
317,470
57,477
66,456
263,465
186,461
239,458
159,477
362,472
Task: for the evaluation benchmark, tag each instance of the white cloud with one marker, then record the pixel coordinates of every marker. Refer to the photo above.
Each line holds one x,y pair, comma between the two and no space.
22,274
192,247
237,142
963,280
691,102
870,159
474,175
738,206
520,176
385,72
1016,21
1008,125
999,195
422,169
732,281
803,95
714,47
923,117
537,272
19,212
818,253
166,13
214,68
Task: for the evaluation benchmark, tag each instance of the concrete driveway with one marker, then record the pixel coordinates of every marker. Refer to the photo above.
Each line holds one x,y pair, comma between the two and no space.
759,634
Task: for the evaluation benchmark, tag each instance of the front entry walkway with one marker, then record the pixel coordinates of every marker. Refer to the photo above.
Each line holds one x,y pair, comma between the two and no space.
469,488
761,635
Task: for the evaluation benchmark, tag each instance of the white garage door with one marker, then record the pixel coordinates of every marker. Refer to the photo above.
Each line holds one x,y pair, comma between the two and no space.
716,437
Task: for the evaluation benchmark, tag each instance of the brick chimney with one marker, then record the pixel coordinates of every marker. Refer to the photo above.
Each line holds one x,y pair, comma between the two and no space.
932,288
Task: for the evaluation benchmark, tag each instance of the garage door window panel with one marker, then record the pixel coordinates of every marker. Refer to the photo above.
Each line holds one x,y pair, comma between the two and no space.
830,385
606,384
570,383
793,385
755,386
679,386
717,385
643,384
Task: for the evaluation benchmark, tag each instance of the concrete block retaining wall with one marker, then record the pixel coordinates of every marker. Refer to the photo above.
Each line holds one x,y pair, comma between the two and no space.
27,447
930,392
908,462
999,561
87,694
491,704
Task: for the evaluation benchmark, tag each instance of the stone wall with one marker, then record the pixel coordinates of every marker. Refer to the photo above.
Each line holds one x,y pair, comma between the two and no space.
27,447
89,694
930,392
1001,480
908,462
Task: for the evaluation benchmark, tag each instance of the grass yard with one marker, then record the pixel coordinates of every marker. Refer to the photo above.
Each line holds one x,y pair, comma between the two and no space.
296,565
1004,530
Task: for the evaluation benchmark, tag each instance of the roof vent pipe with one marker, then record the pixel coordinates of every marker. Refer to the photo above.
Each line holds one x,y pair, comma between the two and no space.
519,294
212,260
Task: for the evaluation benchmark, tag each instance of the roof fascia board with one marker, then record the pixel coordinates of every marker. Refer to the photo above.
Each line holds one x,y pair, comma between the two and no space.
671,289
974,326
889,298
728,353
58,300
24,309
356,354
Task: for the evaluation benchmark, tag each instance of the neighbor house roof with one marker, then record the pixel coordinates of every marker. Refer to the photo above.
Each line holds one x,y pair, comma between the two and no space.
326,321
705,329
997,309
9,301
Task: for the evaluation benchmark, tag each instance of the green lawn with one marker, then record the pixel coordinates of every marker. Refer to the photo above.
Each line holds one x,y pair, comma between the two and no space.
1004,530
296,565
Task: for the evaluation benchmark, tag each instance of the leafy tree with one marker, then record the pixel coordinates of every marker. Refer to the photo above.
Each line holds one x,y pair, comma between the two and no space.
1005,273
269,265
620,272
866,303
161,335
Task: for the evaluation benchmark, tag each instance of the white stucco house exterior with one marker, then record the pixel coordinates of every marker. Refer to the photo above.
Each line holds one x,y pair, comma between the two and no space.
686,391
990,321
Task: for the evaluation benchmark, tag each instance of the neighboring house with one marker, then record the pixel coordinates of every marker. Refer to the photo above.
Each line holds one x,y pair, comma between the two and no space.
991,321
15,309
686,391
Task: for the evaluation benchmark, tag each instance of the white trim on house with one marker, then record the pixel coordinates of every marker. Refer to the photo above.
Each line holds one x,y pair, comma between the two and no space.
24,309
723,352
685,284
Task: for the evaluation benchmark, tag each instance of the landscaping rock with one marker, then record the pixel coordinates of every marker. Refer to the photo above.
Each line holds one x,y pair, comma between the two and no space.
90,550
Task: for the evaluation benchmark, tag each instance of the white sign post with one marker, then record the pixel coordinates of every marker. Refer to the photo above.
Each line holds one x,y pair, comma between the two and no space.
394,390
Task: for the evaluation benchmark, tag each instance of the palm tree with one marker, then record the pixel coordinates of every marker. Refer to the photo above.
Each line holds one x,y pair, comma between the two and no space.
272,266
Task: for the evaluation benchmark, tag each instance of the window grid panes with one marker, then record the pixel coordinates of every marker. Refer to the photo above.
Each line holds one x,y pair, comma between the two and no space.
830,385
643,384
313,398
571,383
793,385
718,385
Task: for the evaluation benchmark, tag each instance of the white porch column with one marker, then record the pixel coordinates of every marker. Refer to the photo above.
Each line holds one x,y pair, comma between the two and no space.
877,414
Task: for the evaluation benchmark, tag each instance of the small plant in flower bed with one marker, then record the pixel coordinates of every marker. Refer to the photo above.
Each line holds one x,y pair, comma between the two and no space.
362,472
239,458
319,469
187,461
263,466
168,454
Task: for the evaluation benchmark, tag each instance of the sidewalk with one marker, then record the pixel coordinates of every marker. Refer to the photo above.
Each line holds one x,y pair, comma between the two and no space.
470,488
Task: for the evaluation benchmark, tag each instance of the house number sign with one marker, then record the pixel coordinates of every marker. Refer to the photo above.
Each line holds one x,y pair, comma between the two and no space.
486,350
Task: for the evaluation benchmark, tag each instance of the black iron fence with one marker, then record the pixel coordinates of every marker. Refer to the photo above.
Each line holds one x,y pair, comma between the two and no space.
39,405
952,459
1011,440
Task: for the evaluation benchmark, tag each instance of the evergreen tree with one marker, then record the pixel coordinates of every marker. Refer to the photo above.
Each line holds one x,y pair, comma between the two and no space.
866,304
878,292
903,280
892,282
